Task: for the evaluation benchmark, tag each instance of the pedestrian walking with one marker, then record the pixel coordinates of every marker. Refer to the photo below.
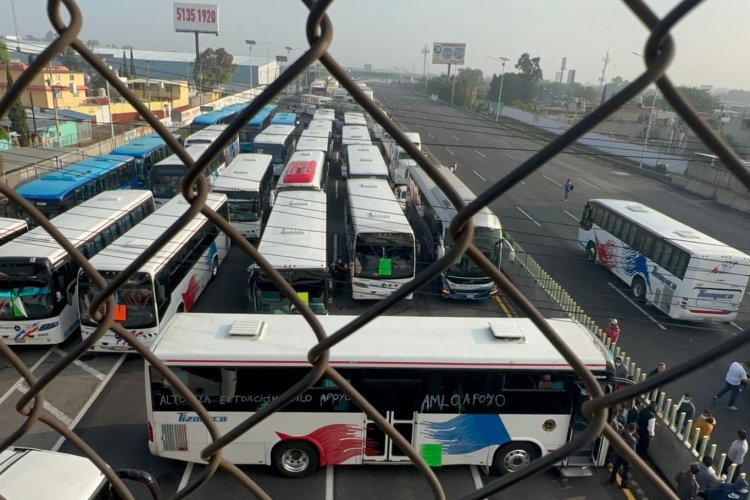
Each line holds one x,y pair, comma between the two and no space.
622,374
706,477
687,485
736,377
661,367
686,406
736,455
568,188
630,436
646,428
705,423
612,331
454,167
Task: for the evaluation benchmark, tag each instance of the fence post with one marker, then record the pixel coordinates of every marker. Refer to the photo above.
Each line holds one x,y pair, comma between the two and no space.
712,450
679,428
730,473
720,464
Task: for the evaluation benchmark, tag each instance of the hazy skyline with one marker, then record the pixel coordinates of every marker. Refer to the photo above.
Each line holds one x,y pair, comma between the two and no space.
390,34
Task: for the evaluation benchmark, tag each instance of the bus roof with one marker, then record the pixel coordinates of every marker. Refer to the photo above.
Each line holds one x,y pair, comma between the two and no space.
312,143
195,151
60,183
324,114
351,118
274,134
213,117
120,253
366,161
77,224
140,147
355,134
206,135
295,234
10,226
441,203
374,209
259,117
303,170
244,173
681,235
386,341
285,118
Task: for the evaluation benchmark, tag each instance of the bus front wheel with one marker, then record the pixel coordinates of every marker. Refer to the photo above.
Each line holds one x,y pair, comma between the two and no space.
214,268
295,458
639,289
513,457
591,251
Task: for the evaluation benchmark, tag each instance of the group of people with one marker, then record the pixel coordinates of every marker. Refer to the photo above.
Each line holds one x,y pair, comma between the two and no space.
636,425
700,480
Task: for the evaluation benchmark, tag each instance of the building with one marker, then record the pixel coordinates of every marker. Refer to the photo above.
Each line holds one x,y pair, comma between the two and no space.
56,86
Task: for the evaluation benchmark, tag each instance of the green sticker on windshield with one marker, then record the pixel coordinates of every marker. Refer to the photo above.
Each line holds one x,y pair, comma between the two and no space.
305,296
433,454
385,267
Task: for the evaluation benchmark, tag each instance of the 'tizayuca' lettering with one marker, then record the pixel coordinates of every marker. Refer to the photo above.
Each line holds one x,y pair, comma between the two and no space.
707,294
188,418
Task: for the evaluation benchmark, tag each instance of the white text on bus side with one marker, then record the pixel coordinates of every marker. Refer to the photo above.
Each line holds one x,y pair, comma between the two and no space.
440,401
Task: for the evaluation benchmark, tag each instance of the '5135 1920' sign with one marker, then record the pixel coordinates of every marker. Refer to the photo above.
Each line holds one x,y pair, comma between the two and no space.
196,17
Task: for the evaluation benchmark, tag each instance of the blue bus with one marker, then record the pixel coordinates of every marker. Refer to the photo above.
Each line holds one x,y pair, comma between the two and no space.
285,119
257,123
215,117
63,189
146,151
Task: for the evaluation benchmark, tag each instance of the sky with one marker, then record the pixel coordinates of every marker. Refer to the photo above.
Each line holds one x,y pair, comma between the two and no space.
391,34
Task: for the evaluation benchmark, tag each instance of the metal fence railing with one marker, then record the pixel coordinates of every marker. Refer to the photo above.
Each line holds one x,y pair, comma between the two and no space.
659,52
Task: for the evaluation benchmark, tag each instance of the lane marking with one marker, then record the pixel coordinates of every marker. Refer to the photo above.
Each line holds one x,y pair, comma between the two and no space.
91,399
431,136
637,306
509,156
80,364
587,182
186,476
528,216
59,414
502,141
22,380
329,482
736,326
476,477
502,305
451,152
571,216
553,181
456,138
480,154
477,174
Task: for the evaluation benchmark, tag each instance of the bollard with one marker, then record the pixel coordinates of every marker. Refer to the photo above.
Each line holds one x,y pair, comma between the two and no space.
712,451
617,351
680,426
660,400
637,375
720,465
702,447
730,473
671,416
691,438
665,409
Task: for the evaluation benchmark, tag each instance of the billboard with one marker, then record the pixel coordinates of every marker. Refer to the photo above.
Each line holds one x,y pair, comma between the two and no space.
448,53
196,17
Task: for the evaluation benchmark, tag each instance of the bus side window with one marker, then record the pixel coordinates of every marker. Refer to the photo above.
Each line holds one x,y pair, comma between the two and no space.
587,218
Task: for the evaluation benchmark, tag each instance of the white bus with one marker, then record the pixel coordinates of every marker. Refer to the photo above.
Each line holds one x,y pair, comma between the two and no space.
463,391
324,114
312,143
430,213
366,162
352,118
277,141
170,282
11,228
248,183
319,128
38,302
208,136
380,240
305,170
294,243
684,273
352,135
167,175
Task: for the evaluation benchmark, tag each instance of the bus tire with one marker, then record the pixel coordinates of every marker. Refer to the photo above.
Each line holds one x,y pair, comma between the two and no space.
513,457
639,289
591,251
214,268
295,458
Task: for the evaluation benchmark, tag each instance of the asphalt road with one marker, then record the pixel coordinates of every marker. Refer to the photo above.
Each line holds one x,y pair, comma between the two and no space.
534,213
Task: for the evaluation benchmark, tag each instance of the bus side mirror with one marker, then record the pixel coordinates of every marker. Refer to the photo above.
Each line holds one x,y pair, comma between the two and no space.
161,293
142,477
511,252
272,198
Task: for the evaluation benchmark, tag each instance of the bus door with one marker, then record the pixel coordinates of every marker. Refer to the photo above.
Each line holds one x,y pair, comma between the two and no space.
596,454
397,401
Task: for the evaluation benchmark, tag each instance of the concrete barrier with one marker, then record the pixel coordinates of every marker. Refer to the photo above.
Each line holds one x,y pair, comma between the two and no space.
669,453
740,203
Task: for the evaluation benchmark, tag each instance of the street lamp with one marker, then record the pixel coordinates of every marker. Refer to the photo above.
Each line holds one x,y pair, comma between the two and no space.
502,77
650,119
54,105
250,44
111,117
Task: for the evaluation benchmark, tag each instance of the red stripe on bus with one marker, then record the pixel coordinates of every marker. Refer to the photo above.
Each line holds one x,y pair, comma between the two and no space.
718,313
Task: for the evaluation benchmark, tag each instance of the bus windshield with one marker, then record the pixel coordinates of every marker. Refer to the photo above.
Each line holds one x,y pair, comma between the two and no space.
137,295
243,207
168,180
384,256
304,281
487,241
25,291
275,150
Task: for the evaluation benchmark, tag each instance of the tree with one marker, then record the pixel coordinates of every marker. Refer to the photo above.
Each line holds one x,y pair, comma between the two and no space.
4,53
92,44
124,71
529,67
700,99
50,36
132,64
212,67
73,61
17,115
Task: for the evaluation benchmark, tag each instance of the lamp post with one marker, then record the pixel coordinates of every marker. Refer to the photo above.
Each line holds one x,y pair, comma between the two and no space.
425,51
111,117
250,44
650,119
503,60
54,105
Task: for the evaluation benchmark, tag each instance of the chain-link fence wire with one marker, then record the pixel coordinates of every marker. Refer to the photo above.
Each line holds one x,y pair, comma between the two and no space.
659,51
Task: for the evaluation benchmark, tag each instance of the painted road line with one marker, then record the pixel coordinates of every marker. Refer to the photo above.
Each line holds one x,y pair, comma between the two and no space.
431,136
329,482
91,399
80,364
736,326
476,477
509,156
637,306
553,181
451,152
480,154
477,174
59,414
571,216
587,182
185,476
21,379
528,216
456,138
504,307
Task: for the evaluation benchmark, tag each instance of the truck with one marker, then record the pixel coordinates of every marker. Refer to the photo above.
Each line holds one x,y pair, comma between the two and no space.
398,159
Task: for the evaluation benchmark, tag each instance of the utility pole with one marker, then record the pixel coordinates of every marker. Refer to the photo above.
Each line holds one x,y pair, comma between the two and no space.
425,51
148,84
606,60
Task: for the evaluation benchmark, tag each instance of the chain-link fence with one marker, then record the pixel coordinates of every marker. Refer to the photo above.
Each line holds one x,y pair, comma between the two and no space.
659,52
